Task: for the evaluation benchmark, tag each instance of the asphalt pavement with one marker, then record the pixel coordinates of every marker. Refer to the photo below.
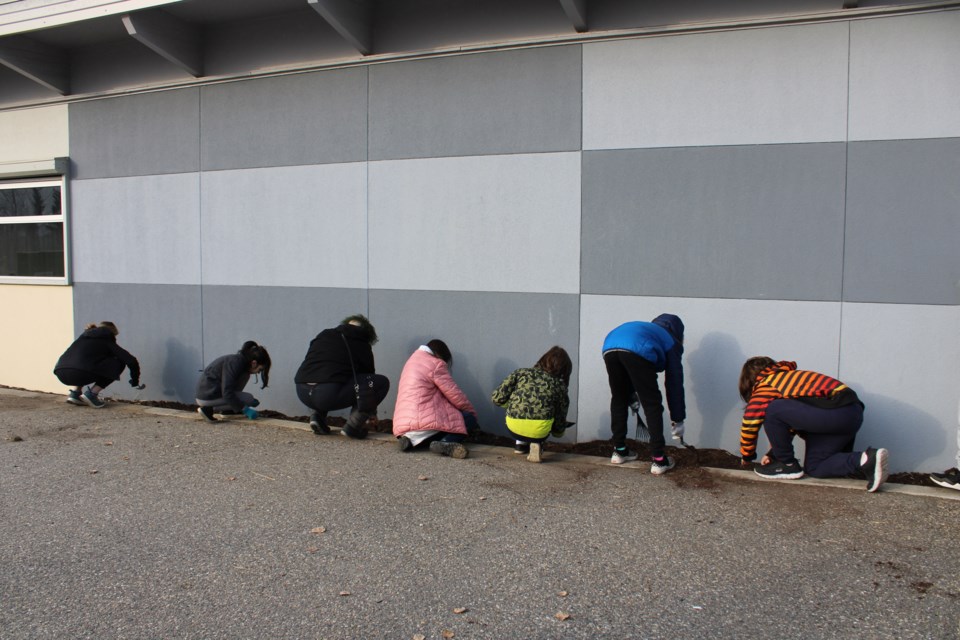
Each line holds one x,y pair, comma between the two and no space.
132,522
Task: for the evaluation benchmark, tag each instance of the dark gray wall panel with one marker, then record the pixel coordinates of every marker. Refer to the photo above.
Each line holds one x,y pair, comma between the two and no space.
763,222
137,135
505,102
315,118
490,335
284,320
159,325
903,222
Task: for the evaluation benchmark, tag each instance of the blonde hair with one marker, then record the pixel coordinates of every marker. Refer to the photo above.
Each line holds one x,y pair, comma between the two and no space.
106,324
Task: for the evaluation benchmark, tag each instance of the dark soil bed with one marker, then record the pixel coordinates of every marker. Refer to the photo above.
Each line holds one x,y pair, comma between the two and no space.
685,457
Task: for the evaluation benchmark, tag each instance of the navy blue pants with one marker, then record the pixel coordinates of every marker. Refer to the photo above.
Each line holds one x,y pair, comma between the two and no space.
829,434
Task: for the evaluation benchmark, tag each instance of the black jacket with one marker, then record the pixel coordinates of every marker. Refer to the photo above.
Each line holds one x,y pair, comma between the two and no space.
96,351
327,359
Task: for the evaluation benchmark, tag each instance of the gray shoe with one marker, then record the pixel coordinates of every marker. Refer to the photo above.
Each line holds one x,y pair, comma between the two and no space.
73,397
318,424
92,400
207,414
452,449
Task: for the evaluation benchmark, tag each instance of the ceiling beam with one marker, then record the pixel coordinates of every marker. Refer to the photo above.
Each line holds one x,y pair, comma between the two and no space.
169,37
576,11
352,19
45,65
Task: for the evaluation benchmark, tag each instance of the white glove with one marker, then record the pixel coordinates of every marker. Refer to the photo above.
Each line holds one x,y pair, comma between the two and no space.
676,428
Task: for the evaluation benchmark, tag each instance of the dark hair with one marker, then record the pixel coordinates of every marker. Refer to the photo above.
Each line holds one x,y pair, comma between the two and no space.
252,351
360,320
441,350
557,363
748,374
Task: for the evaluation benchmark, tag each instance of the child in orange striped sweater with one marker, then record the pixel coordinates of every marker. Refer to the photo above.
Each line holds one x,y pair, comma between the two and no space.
823,411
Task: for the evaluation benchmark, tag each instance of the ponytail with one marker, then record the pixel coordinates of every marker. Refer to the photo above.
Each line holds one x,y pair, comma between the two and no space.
252,351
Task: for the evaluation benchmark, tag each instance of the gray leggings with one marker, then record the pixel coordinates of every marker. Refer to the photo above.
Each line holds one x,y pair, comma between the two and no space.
219,404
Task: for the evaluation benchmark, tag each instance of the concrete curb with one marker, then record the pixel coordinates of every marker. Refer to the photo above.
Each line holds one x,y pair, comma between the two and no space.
482,450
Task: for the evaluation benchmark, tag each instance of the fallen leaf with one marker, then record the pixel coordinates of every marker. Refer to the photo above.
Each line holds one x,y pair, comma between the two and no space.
419,636
108,444
482,498
125,458
460,610
561,616
344,593
314,550
93,471
446,634
563,594
232,478
318,530
422,478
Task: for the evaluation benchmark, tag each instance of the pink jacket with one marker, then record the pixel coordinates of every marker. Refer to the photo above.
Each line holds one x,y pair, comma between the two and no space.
428,398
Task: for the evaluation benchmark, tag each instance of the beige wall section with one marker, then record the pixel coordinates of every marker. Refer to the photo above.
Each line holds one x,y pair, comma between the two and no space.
37,320
33,134
38,324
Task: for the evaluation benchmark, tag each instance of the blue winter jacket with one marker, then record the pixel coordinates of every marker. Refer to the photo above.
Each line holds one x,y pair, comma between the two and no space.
661,343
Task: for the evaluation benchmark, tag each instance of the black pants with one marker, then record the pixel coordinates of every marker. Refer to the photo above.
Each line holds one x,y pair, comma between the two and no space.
627,372
331,396
79,377
829,434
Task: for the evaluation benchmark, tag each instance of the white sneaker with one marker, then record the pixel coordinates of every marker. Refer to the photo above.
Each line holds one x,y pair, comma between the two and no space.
623,455
658,468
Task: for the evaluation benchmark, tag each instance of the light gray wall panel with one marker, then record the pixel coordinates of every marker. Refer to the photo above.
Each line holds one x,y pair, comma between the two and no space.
904,81
726,222
491,223
504,102
903,222
282,319
136,135
286,226
490,335
142,229
312,118
902,361
159,325
719,336
784,84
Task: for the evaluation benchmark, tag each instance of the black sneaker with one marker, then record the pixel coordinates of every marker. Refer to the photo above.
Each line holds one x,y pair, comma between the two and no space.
357,433
780,471
207,414
318,424
522,448
405,443
875,468
949,479
452,449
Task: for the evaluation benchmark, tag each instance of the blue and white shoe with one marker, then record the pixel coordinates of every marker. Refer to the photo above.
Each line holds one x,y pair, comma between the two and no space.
73,397
92,400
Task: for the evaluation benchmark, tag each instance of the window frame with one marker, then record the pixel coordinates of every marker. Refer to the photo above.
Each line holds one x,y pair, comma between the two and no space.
41,181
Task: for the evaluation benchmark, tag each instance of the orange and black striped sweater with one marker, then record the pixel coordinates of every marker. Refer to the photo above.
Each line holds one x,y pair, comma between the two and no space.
780,380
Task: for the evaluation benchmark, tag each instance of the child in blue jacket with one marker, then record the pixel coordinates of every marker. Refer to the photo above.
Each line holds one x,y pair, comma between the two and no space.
634,353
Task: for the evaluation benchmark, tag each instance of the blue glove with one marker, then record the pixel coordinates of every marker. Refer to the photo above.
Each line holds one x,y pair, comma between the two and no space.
254,403
251,413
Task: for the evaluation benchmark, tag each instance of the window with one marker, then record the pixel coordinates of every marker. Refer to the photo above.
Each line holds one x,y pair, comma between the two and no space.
32,232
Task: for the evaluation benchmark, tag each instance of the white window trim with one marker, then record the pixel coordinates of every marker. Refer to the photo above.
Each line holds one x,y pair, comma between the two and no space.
47,181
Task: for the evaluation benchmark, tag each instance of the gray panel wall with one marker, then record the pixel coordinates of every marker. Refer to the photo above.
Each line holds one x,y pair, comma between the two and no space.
314,118
903,222
136,135
722,222
761,248
506,102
